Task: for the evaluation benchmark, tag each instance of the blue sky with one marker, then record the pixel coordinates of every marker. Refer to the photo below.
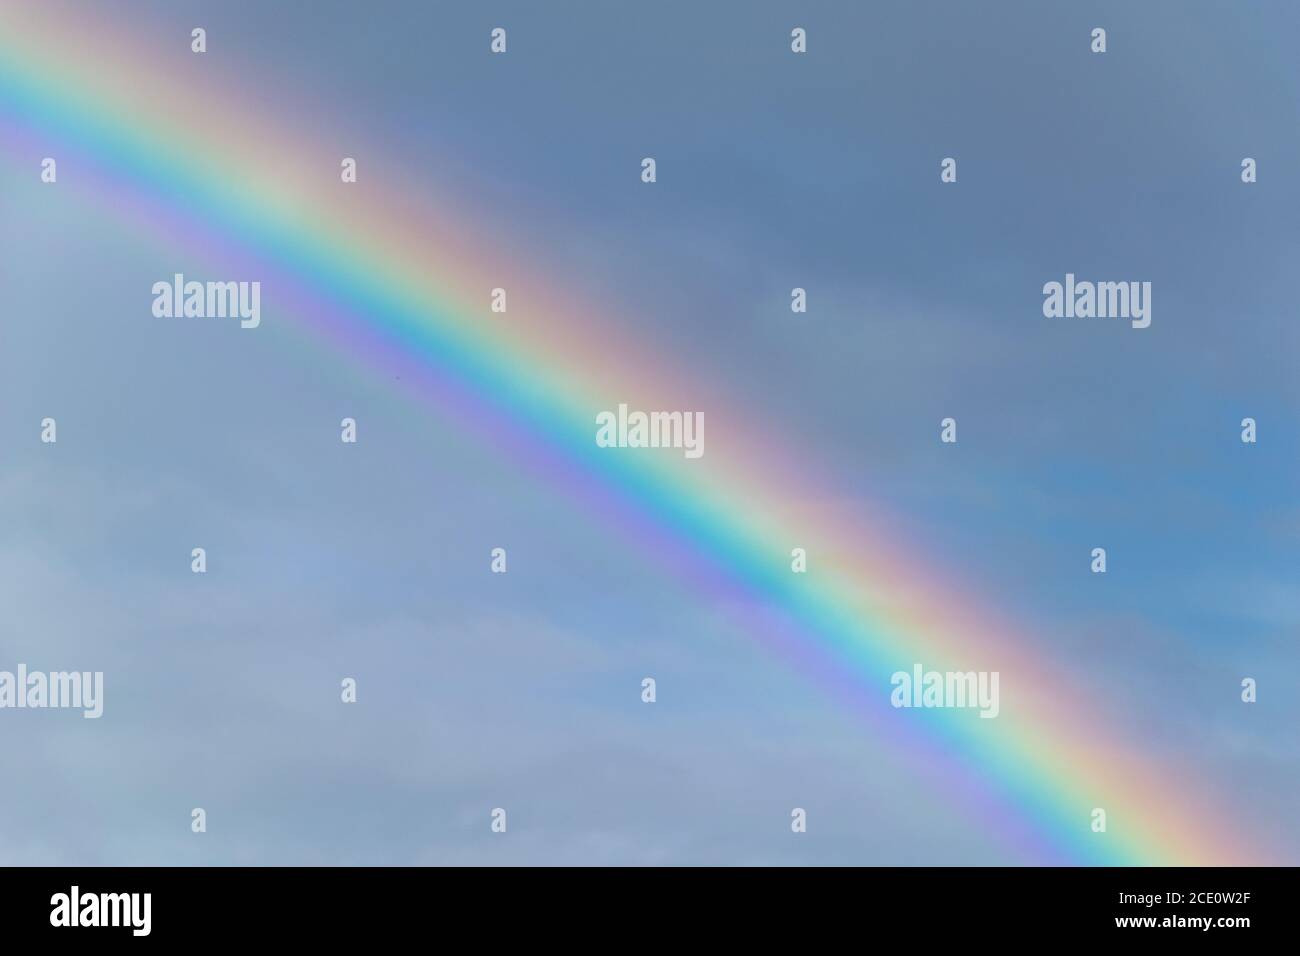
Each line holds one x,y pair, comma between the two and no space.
521,690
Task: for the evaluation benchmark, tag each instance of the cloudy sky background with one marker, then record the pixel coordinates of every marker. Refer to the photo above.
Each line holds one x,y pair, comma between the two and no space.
522,690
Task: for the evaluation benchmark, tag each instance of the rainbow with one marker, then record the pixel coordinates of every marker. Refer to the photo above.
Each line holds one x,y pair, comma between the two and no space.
401,282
